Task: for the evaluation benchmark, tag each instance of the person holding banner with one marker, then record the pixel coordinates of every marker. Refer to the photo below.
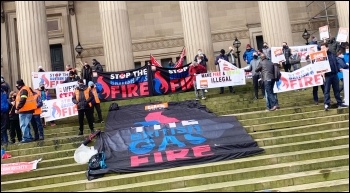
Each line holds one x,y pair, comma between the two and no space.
45,95
331,79
83,98
96,102
256,76
287,53
195,69
72,77
223,57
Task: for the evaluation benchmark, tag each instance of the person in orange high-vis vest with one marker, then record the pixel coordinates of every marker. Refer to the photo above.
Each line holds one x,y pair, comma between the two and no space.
25,106
96,102
36,121
82,98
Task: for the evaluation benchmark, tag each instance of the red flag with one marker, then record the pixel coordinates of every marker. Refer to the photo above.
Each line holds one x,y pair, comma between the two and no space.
154,62
181,60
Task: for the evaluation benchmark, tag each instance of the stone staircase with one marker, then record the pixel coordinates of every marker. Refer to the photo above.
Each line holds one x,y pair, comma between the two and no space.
306,149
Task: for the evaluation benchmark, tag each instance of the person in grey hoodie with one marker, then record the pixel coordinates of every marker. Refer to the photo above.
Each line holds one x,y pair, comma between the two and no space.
267,51
256,75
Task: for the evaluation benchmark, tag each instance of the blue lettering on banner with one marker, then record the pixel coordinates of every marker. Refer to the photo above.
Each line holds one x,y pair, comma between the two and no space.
143,143
138,79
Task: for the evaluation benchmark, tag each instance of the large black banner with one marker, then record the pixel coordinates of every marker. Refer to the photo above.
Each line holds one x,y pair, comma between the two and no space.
142,137
124,84
141,83
171,80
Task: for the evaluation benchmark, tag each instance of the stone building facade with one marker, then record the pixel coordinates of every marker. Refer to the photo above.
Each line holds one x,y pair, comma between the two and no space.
122,35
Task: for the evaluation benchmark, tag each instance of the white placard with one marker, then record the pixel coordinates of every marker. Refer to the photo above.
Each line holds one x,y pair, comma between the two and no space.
342,34
346,86
49,79
324,33
59,109
220,79
66,89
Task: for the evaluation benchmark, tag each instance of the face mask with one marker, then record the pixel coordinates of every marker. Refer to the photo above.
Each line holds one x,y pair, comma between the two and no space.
265,46
255,57
18,87
199,61
92,86
200,53
248,48
42,88
284,46
347,51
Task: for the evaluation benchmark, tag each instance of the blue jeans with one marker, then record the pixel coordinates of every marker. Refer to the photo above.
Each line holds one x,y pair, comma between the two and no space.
315,92
37,127
270,96
24,120
4,123
331,80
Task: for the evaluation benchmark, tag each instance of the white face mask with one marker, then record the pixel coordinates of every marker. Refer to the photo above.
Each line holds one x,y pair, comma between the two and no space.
347,50
200,53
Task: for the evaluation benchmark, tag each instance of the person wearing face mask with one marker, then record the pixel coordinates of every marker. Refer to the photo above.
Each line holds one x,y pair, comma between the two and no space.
25,106
331,79
45,95
248,54
287,54
15,129
71,78
86,73
341,66
97,67
232,56
223,57
256,75
96,102
82,99
201,58
266,50
346,55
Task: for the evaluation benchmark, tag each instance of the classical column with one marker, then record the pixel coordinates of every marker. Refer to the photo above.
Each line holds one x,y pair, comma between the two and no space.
197,33
33,39
116,35
343,13
275,22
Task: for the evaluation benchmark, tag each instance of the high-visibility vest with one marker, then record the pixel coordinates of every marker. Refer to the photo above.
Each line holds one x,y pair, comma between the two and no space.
38,110
86,94
94,91
30,102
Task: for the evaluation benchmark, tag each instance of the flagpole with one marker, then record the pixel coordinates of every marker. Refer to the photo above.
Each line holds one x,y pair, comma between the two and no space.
180,54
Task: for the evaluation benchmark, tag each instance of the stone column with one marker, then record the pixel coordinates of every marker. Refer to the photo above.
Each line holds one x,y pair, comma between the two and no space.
197,32
275,22
116,35
33,39
343,13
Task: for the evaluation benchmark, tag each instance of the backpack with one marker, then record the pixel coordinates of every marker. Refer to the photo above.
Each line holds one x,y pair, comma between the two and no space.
4,103
97,161
114,107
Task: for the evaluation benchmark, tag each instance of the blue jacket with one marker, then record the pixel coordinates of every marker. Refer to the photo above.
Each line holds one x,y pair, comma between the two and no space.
248,55
346,58
341,64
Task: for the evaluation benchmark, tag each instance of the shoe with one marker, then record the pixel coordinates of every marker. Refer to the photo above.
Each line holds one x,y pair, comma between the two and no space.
80,133
203,98
93,131
278,107
197,99
41,138
326,107
342,105
205,90
53,124
316,102
273,108
26,141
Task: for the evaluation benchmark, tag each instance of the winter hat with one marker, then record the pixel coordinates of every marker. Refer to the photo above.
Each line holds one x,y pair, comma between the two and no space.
91,83
20,82
222,51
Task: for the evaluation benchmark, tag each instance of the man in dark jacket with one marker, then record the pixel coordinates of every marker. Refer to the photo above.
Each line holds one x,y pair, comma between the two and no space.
267,70
97,67
83,98
287,53
15,129
71,78
223,57
86,73
331,78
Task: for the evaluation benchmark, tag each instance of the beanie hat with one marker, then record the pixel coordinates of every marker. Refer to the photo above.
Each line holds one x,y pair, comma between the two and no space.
91,83
20,82
222,51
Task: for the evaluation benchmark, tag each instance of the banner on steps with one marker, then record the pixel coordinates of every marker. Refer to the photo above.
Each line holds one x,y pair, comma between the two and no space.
20,167
65,90
58,109
49,79
304,77
181,133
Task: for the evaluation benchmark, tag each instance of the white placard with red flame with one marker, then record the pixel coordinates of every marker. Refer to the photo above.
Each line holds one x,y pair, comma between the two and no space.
50,79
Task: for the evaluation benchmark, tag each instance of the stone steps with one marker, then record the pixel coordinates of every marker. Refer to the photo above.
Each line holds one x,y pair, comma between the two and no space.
192,180
270,182
328,186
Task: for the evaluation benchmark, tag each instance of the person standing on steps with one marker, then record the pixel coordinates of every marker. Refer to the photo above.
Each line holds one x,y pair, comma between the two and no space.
195,69
36,122
223,57
83,98
45,95
96,102
256,76
15,129
25,106
202,59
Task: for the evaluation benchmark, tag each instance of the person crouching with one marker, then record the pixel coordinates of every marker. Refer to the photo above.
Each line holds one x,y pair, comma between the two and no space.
82,98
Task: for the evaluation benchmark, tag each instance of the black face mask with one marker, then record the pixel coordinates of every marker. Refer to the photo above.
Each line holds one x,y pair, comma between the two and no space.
265,46
255,57
92,86
284,47
42,88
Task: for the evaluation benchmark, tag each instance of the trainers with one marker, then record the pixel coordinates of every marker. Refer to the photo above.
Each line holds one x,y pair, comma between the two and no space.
273,108
316,102
342,105
41,138
80,133
203,98
326,107
205,90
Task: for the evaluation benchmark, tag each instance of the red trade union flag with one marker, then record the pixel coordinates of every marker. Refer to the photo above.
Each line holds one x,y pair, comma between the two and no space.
181,60
154,62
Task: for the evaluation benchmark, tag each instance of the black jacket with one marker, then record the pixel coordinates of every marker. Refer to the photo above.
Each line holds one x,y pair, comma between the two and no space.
267,70
82,103
97,67
287,53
